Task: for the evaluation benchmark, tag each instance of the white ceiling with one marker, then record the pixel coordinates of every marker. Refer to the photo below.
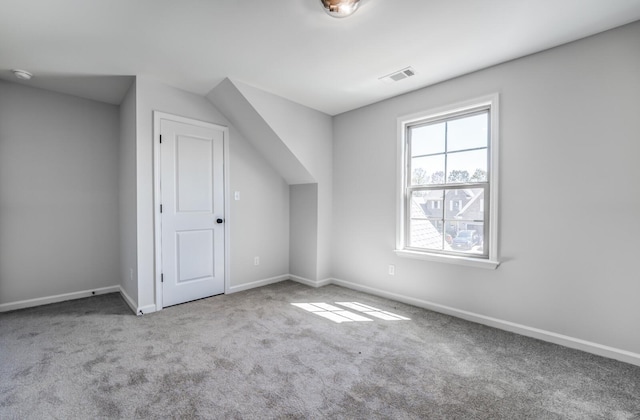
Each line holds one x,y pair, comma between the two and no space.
287,47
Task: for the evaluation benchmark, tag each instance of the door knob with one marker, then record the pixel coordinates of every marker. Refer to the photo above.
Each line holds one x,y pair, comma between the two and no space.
219,221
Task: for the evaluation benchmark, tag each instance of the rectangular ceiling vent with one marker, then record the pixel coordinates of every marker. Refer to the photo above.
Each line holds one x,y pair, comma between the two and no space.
396,76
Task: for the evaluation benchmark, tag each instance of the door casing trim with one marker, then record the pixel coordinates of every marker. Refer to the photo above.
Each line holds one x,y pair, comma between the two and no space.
157,240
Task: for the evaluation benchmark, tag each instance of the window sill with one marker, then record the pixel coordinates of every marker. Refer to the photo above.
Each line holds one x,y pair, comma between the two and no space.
449,259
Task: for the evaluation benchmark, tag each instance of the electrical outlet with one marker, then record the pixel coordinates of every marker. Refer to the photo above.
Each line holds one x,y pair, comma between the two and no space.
256,260
131,274
236,195
392,270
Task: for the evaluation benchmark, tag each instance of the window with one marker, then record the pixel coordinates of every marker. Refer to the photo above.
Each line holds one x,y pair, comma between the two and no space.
449,156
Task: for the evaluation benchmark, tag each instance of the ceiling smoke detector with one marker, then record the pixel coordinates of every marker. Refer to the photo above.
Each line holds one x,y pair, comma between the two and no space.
340,8
396,76
22,74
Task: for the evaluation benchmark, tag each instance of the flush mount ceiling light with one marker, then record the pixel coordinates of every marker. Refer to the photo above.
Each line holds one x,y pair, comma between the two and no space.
340,8
22,74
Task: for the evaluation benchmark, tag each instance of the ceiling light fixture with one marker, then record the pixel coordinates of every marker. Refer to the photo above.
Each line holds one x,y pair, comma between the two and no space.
22,74
340,8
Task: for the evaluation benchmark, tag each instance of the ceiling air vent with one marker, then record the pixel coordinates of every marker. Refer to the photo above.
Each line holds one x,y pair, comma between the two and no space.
396,76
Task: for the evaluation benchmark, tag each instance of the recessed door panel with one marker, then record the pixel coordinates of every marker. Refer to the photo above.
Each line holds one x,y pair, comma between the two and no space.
194,174
194,255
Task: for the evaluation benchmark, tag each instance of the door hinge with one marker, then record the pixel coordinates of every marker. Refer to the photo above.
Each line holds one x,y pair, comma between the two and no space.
160,138
160,208
161,278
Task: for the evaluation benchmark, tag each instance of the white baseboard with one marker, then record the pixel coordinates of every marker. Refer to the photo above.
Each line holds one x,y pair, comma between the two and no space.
277,279
312,283
144,310
257,283
132,304
563,340
29,303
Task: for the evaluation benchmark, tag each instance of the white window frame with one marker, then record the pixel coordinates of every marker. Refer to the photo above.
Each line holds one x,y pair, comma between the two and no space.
492,261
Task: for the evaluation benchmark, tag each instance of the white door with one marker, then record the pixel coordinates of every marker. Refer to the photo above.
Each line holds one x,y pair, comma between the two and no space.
192,211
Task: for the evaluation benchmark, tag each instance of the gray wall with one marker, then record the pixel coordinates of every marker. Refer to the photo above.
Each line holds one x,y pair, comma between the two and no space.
568,201
259,220
127,196
58,194
303,233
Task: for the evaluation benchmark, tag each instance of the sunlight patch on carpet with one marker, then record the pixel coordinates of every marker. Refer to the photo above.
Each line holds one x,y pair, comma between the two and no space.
374,312
339,315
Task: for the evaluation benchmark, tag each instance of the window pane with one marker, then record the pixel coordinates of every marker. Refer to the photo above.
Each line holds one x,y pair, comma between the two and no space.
468,133
464,204
427,204
427,140
416,209
426,234
467,166
425,224
468,237
427,170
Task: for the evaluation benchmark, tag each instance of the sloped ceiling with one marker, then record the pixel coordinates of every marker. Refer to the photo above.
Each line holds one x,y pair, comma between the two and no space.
235,106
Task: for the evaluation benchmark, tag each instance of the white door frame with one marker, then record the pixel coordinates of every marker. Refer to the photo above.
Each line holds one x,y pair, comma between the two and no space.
157,116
